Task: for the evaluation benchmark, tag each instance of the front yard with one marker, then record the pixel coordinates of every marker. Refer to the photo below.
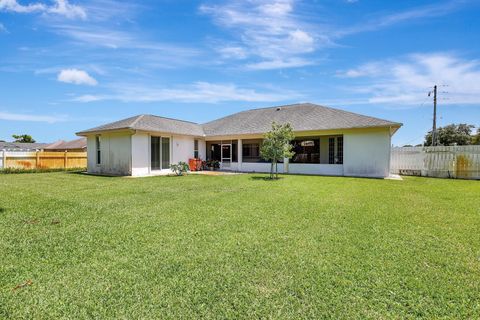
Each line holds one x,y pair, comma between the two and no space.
238,247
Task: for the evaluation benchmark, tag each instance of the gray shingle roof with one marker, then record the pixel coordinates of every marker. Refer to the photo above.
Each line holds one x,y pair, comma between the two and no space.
302,117
19,146
80,143
147,122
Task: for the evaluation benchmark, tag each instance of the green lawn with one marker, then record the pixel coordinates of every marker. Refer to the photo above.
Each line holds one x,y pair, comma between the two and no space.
238,247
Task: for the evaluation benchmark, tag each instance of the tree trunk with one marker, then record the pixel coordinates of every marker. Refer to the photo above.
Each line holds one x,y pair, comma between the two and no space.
276,170
271,170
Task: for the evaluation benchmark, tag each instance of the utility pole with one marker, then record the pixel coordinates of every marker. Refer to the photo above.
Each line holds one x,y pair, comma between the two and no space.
434,128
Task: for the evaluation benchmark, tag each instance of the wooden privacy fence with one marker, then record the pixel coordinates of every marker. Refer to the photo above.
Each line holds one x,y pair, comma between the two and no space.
42,160
442,161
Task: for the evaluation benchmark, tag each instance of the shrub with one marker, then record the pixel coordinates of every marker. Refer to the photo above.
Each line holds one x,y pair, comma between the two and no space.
180,168
214,164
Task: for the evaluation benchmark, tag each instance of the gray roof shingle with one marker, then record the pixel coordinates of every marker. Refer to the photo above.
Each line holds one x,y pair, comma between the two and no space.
147,122
80,143
22,146
302,117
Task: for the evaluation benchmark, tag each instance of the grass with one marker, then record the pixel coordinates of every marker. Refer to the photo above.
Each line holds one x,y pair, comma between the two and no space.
76,246
39,170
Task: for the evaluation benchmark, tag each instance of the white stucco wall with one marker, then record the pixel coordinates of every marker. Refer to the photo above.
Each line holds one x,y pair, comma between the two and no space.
115,151
140,154
314,168
202,149
259,167
367,153
181,149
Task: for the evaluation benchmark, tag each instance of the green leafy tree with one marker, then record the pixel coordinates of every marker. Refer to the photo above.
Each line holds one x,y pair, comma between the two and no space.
23,138
476,137
453,134
276,146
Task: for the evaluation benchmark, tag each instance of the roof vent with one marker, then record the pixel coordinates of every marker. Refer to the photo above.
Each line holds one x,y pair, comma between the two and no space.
278,108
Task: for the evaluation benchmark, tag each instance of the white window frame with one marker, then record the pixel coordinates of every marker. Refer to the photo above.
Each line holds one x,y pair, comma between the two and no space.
195,149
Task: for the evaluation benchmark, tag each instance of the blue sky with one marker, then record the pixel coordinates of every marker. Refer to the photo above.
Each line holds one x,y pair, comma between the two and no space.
70,65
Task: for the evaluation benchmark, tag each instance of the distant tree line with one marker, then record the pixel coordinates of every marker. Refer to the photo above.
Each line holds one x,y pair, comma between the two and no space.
454,134
461,134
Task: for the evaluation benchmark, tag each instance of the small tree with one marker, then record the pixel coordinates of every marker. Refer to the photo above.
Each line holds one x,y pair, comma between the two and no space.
276,146
23,138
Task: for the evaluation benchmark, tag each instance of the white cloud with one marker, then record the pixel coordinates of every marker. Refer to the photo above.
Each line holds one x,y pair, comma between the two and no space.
14,6
275,34
3,28
268,32
198,92
280,64
30,117
71,11
406,81
60,7
233,52
76,76
429,11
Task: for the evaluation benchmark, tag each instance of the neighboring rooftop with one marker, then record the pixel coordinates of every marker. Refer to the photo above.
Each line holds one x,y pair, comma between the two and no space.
20,146
80,143
302,117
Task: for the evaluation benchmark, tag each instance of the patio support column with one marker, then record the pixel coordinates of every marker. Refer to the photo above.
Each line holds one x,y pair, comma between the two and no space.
239,155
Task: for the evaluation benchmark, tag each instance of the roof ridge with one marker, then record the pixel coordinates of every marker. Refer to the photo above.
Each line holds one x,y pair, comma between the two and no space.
168,118
136,120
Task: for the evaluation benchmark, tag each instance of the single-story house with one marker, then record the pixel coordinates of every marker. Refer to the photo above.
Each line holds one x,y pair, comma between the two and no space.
77,145
327,141
22,146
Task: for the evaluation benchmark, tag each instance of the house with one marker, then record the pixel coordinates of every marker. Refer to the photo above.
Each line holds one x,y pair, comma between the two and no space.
328,142
77,145
22,146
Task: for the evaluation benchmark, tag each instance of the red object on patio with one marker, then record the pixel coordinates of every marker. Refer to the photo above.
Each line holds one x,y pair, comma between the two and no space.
195,164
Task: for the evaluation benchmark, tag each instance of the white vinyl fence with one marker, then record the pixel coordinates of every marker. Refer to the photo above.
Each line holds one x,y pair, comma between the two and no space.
461,162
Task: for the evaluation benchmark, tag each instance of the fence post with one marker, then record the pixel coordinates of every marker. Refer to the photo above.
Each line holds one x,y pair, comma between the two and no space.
65,160
37,161
4,161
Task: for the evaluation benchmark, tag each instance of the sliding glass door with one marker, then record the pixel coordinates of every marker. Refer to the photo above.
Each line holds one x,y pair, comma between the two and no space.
159,153
155,153
165,153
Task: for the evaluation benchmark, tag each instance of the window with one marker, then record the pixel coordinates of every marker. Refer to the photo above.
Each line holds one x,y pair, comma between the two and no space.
306,151
234,151
195,149
97,148
335,150
159,153
251,152
331,150
340,150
